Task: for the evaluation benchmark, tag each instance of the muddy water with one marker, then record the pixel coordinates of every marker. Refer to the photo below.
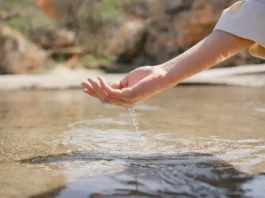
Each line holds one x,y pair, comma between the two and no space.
195,142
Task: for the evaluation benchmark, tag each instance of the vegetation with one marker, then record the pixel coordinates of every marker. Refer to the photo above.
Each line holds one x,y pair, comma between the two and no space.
94,22
8,5
91,20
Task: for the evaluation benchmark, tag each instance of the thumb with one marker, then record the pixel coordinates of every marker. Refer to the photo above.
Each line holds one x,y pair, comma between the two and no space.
120,84
116,85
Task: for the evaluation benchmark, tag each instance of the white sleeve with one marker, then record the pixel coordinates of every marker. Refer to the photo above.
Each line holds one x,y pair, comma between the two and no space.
246,19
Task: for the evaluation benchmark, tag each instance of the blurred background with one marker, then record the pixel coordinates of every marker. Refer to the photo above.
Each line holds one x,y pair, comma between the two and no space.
110,35
206,140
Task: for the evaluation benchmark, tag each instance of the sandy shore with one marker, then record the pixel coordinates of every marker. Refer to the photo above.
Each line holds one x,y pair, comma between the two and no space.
64,78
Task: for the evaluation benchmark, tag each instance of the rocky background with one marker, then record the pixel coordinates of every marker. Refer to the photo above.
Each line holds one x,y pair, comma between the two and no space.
113,35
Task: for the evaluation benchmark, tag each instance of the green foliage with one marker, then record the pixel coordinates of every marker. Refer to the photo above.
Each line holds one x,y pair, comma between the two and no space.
8,5
93,61
94,15
111,11
43,70
19,24
93,21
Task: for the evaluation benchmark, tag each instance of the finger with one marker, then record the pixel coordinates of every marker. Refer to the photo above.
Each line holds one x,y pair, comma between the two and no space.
115,93
91,93
109,90
120,83
99,91
124,82
87,85
103,96
95,90
116,85
112,100
89,89
115,102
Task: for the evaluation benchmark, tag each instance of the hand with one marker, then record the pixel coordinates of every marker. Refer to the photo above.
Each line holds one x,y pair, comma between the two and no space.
136,86
145,82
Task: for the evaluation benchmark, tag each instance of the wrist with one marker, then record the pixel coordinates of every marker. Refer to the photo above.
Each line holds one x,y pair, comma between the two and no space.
171,75
159,72
160,77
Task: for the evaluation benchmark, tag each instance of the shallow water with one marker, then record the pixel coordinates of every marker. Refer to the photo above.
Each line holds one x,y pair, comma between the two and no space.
195,142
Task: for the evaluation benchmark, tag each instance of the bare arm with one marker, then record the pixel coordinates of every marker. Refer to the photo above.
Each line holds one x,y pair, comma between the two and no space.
214,49
145,82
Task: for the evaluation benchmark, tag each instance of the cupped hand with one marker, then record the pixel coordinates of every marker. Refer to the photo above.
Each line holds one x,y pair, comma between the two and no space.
135,87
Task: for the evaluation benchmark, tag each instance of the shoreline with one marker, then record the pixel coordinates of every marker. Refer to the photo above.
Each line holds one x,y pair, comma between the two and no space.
65,78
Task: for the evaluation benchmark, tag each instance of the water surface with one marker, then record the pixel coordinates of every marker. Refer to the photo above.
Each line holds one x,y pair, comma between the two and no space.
195,142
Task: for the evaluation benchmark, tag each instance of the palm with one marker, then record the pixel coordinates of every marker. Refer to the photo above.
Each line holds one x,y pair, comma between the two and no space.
138,85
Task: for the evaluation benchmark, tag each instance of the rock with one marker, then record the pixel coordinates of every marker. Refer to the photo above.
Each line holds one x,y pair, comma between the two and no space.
180,25
128,40
17,54
127,44
54,38
172,27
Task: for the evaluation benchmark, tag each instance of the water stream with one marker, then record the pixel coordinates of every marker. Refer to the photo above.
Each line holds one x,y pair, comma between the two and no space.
135,122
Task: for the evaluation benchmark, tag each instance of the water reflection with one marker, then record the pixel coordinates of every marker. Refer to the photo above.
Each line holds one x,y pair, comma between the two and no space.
158,175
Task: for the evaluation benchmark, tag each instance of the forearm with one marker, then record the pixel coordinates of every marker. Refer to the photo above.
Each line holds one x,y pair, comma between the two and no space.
143,83
214,49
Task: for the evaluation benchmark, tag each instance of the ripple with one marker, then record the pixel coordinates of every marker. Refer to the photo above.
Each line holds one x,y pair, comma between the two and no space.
97,122
195,174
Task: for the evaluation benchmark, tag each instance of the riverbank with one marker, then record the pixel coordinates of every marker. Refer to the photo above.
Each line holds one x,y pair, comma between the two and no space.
64,78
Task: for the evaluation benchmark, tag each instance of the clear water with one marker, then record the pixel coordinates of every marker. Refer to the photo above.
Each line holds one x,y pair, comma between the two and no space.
195,142
135,122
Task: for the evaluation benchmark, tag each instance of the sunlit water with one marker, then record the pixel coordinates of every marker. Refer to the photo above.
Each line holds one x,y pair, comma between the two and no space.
195,142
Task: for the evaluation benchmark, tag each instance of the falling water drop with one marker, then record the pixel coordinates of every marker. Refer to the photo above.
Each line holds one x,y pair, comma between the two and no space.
135,123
